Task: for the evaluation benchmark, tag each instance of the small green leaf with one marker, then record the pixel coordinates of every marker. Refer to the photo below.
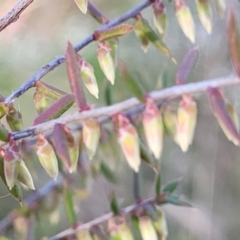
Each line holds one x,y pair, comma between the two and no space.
83,5
155,39
107,172
114,204
49,91
175,200
68,197
132,85
170,187
158,184
113,32
137,186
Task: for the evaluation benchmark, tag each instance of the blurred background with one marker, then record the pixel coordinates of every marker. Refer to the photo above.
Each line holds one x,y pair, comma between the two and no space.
210,170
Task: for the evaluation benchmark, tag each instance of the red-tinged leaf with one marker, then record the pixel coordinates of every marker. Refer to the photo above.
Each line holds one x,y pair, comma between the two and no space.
113,32
11,160
65,146
233,40
187,65
128,140
221,113
75,81
56,109
132,85
16,190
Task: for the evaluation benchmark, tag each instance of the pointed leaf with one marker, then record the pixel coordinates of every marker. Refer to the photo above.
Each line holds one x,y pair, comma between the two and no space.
187,65
186,122
171,187
11,160
75,81
49,91
175,200
83,5
158,184
205,14
4,134
132,85
88,77
41,102
113,32
113,45
153,127
68,197
107,172
160,225
25,177
233,40
139,30
55,110
137,186
91,136
221,113
65,146
16,190
185,19
128,140
114,204
155,39
14,119
221,7
106,61
46,156
146,228
160,17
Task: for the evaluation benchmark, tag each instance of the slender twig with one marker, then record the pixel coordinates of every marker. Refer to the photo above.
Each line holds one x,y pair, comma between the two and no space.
53,64
96,13
14,14
33,198
97,221
106,112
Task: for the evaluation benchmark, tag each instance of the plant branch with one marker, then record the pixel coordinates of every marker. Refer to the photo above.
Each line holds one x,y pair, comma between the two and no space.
104,113
54,63
33,198
93,11
97,221
14,14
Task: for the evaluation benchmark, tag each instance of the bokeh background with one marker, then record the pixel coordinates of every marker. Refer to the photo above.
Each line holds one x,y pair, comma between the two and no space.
210,170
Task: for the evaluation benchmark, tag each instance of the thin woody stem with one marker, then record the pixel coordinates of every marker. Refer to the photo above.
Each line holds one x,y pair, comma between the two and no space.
105,113
32,198
104,218
14,14
54,63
